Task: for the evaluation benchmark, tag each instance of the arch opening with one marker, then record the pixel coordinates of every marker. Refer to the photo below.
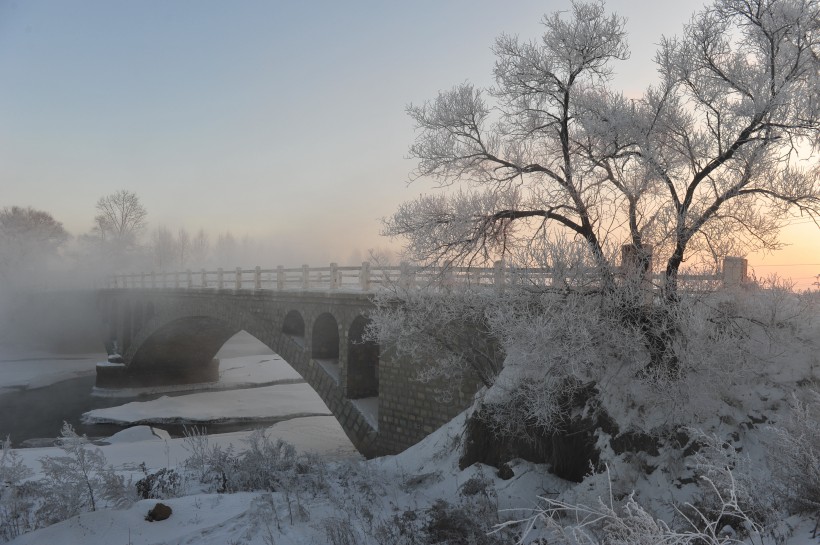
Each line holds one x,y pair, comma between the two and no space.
294,324
243,344
181,351
325,338
362,362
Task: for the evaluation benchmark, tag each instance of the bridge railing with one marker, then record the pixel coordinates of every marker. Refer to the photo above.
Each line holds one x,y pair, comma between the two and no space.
369,278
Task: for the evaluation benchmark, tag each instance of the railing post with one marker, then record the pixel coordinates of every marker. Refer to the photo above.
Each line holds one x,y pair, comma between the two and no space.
220,277
334,276
280,278
364,276
305,277
153,280
189,278
734,271
238,279
257,278
204,283
498,275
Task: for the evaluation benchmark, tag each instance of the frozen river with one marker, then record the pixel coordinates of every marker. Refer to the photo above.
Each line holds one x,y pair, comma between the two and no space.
256,389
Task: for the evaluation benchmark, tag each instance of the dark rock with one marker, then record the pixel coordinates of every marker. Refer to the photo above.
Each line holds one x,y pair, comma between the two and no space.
505,472
570,450
159,512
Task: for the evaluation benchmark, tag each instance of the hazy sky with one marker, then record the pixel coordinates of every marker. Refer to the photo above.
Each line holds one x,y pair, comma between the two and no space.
270,118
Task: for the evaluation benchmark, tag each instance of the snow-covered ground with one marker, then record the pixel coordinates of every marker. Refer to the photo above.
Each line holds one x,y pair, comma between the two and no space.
28,370
264,403
356,501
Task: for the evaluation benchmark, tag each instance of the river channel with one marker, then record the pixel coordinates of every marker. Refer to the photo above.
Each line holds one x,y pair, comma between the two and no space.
33,417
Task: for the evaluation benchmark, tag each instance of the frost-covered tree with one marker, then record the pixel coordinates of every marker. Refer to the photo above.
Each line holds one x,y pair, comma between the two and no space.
200,248
183,248
120,218
551,169
710,159
162,248
727,135
521,153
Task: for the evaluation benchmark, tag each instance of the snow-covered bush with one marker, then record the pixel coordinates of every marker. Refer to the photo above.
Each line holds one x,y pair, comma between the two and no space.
462,523
722,472
262,465
16,499
797,463
196,443
77,481
630,523
162,484
339,531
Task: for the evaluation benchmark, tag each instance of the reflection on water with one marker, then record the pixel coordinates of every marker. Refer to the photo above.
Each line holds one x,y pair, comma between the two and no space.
33,414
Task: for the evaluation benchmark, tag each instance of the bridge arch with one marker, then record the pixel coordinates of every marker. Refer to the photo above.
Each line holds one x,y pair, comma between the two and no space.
362,361
181,350
319,334
294,324
325,338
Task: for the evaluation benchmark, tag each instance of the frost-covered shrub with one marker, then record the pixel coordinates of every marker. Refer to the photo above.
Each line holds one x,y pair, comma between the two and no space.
722,471
797,462
72,483
263,465
630,523
458,525
116,490
196,443
16,496
404,528
339,531
162,484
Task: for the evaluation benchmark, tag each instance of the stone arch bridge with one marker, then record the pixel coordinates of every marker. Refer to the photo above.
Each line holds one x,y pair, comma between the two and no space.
168,327
171,335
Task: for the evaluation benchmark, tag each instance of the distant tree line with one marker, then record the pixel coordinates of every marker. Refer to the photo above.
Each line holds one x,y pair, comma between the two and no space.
34,246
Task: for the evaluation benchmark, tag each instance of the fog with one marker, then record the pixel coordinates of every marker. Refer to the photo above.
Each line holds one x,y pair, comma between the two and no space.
48,276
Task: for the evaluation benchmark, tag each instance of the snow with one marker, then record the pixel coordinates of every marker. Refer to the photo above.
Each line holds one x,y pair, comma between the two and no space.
203,519
331,367
20,371
384,487
369,408
229,406
138,433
